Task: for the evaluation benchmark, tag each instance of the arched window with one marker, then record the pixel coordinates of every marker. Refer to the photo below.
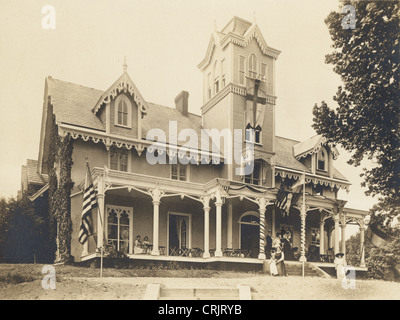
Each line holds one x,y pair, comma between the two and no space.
123,109
322,160
253,66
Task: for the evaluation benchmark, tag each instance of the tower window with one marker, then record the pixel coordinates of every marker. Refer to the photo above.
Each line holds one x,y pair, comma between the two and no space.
253,66
223,73
263,72
209,85
242,66
255,176
216,77
253,135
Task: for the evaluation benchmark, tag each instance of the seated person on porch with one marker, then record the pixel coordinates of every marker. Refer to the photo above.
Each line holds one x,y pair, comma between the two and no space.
313,253
146,245
138,245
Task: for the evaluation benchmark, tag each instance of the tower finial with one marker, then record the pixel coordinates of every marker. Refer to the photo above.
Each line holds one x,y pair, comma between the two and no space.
215,25
124,66
254,17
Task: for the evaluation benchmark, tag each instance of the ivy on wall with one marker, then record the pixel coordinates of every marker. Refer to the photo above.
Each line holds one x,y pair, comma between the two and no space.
60,161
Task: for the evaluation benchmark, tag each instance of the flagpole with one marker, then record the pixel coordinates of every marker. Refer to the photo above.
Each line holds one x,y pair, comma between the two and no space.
303,227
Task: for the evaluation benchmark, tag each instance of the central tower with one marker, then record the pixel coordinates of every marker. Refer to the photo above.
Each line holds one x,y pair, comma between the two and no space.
237,57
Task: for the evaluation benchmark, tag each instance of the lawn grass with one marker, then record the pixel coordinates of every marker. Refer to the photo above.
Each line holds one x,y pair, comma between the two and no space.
19,273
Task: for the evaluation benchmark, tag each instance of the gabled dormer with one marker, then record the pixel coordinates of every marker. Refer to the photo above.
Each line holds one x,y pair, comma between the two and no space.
122,107
317,154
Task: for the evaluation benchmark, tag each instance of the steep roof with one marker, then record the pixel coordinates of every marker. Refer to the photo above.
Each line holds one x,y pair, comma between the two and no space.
33,176
285,157
73,103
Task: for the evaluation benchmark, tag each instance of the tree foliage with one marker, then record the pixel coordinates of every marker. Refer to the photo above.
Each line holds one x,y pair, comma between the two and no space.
366,121
23,232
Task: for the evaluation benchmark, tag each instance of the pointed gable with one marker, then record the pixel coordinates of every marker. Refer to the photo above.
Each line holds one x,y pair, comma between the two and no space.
312,145
124,84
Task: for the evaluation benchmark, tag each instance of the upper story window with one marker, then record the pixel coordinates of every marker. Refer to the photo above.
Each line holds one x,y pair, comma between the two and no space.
255,176
123,109
251,135
216,77
179,172
118,159
209,85
253,66
223,73
322,160
263,71
242,69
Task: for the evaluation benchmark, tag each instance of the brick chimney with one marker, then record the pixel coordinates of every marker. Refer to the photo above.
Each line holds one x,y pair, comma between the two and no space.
182,102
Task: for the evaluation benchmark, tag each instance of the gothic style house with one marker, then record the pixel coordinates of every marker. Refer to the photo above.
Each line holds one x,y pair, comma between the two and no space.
204,209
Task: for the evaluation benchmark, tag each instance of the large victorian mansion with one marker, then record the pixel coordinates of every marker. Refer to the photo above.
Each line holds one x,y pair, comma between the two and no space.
197,206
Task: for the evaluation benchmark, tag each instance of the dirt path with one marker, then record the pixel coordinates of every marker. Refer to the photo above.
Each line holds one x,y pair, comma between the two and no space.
262,288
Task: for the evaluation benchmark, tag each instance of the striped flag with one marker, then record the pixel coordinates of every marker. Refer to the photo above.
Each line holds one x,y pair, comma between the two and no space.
283,199
89,203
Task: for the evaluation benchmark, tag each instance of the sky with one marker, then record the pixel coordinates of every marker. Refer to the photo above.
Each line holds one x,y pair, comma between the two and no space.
163,42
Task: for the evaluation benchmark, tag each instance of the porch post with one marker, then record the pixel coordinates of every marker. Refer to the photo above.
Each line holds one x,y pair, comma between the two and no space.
362,243
229,243
322,235
206,207
273,222
218,226
343,233
303,215
100,213
262,208
156,195
336,219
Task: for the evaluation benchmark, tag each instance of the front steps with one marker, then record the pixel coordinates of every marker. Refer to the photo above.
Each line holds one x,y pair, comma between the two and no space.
160,292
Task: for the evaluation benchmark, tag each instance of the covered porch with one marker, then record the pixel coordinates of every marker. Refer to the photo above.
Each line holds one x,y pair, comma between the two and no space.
217,221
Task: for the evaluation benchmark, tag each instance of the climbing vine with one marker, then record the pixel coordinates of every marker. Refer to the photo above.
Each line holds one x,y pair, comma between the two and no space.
60,161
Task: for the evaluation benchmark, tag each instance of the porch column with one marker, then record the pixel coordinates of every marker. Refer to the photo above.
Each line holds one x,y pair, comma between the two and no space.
303,215
206,208
262,203
218,226
362,243
229,242
156,195
344,234
322,235
100,213
273,222
336,219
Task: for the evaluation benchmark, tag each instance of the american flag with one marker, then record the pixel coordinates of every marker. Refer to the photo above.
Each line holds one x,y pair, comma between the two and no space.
283,199
89,203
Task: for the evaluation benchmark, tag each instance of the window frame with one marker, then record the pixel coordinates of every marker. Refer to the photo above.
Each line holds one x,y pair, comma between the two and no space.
119,210
120,153
325,159
179,166
253,73
118,100
242,73
250,178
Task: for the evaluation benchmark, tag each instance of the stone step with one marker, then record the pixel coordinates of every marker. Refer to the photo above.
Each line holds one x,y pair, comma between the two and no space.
160,292
199,292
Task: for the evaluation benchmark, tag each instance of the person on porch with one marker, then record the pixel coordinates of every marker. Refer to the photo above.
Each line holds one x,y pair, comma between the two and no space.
287,247
138,245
